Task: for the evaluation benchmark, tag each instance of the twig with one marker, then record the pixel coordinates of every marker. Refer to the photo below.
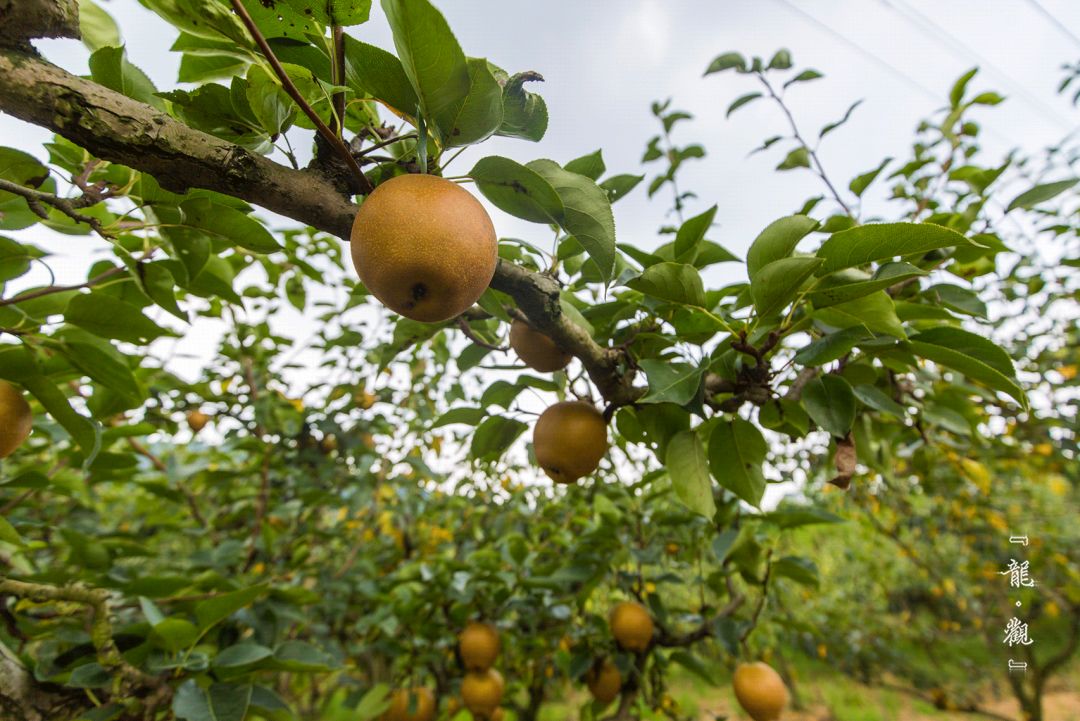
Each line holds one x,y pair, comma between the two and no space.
97,279
286,82
819,169
160,466
338,99
469,333
101,632
35,199
384,143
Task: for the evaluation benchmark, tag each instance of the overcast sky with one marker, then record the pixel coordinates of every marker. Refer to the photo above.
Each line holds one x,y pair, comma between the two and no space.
605,61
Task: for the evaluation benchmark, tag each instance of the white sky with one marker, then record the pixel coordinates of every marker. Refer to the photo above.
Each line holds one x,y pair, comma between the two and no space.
605,61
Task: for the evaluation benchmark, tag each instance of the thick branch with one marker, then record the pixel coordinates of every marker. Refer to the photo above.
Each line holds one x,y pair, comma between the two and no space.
22,698
22,20
119,129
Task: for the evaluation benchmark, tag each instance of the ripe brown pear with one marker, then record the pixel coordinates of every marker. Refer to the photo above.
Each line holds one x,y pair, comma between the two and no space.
424,246
632,626
15,419
478,645
760,691
569,440
481,691
604,681
535,349
197,420
422,701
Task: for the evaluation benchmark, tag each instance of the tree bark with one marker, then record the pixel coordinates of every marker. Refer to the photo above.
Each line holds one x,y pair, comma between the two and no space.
22,20
23,698
122,130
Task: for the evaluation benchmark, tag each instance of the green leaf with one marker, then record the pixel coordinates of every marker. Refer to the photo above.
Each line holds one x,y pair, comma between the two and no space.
494,436
831,346
797,158
876,312
96,27
798,569
881,241
727,61
673,282
269,102
301,656
160,286
671,382
781,60
8,534
481,114
517,190
175,634
736,453
741,101
97,358
618,186
777,241
785,416
586,213
804,77
334,12
956,94
831,404
861,182
525,114
835,289
373,71
692,232
776,284
218,608
242,654
591,165
190,703
957,299
110,317
468,416
828,128
228,224
432,59
689,472
1040,194
973,355
229,702
110,67
875,398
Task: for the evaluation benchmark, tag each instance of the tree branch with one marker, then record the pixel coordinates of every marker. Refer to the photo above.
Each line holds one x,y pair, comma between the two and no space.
116,128
331,137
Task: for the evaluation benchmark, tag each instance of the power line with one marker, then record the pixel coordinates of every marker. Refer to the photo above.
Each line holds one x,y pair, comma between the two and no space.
891,69
1054,21
947,40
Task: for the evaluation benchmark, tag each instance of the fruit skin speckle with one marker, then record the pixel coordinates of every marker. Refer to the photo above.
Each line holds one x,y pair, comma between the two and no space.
424,246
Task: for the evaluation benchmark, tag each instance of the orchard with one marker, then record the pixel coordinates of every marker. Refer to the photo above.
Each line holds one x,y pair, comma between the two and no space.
512,478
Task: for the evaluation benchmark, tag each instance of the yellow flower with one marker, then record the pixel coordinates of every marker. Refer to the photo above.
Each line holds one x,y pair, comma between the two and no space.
1068,372
822,651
